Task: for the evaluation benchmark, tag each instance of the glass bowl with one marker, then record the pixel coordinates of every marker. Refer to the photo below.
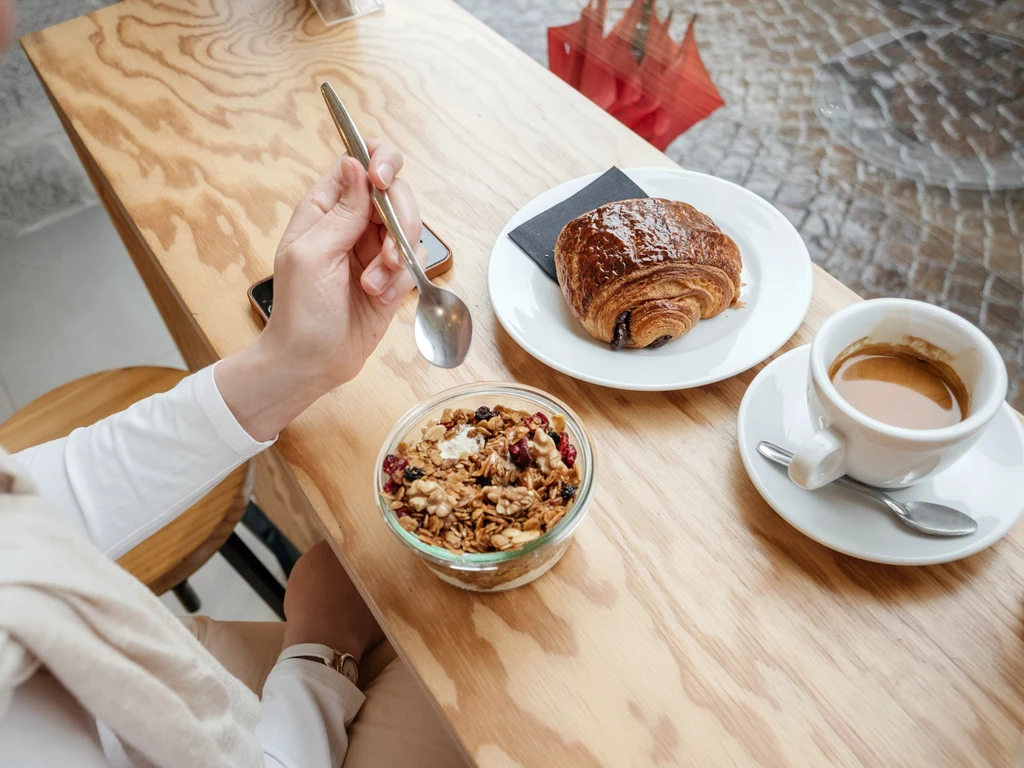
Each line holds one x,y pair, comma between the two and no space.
492,571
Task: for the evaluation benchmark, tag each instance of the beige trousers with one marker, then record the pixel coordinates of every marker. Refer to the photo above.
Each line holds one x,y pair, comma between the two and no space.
397,725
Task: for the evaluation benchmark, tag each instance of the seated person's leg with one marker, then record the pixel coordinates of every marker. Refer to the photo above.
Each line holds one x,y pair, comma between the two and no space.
399,727
247,649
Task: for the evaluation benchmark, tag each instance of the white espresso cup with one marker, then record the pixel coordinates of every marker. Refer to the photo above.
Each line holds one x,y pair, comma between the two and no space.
848,442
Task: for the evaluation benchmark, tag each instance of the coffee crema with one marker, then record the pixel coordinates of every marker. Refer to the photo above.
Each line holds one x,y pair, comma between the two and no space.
896,384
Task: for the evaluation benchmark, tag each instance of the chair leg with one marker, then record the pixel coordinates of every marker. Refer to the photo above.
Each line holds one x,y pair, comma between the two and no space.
187,596
267,532
255,573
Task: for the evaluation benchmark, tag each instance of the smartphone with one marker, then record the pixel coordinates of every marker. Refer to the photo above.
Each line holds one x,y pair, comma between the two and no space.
439,261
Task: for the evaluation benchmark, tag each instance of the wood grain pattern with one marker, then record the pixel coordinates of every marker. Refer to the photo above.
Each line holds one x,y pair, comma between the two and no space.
688,624
276,490
177,551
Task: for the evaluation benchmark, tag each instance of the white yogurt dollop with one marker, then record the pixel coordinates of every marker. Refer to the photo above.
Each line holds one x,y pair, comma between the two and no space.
460,444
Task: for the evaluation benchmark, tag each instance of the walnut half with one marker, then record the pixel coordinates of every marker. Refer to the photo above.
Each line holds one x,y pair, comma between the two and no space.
548,456
426,494
510,501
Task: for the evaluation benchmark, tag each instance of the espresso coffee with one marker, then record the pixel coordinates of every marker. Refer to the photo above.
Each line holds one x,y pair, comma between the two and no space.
897,385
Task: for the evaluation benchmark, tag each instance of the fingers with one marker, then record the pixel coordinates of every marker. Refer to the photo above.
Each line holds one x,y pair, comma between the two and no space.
320,197
399,283
385,162
344,216
381,263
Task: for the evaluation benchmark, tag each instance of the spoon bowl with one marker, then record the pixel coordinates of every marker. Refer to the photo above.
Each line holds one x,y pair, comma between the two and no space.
924,516
443,329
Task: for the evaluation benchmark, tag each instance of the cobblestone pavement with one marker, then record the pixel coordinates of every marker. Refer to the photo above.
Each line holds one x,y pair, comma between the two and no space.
880,235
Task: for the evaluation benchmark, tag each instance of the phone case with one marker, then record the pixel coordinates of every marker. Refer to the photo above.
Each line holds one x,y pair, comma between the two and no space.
445,264
255,305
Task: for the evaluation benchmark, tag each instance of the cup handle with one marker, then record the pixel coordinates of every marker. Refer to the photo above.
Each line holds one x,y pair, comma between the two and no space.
819,461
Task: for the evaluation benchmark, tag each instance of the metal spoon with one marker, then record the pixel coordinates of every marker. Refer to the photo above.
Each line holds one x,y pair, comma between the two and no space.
923,516
444,326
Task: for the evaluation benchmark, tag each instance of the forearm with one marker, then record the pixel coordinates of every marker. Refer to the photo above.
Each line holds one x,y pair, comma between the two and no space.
123,478
265,389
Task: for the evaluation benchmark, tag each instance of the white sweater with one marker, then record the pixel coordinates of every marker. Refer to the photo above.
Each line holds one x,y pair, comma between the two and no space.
119,481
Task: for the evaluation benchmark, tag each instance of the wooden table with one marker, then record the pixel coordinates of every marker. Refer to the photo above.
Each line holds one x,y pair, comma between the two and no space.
688,624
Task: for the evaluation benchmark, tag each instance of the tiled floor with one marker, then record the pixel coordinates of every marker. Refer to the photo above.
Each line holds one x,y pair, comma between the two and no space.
71,304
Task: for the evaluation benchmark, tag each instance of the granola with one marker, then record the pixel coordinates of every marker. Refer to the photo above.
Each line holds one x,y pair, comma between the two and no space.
480,481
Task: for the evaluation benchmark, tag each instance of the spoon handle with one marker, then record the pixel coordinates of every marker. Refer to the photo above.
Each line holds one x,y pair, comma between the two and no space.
357,148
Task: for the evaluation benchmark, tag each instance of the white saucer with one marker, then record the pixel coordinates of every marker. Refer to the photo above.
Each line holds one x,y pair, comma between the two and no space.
777,274
987,483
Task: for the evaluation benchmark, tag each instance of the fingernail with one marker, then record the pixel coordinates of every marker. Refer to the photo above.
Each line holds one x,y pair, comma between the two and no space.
386,173
389,295
376,278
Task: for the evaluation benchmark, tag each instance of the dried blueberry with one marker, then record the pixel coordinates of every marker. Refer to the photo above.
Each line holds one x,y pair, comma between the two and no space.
483,413
520,453
412,474
482,481
568,491
394,464
556,439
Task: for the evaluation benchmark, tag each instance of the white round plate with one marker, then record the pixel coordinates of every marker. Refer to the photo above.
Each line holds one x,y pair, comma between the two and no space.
777,278
987,483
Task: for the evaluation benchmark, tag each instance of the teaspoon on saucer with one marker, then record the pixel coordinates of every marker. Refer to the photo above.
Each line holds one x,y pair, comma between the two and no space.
923,516
444,326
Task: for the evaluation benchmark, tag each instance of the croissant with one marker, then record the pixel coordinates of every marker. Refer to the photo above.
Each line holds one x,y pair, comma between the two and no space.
640,273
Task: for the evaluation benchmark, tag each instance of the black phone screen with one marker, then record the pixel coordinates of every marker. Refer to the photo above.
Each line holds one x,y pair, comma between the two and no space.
263,295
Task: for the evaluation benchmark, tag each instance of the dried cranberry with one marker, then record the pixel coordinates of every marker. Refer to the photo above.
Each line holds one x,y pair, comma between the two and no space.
568,451
412,474
483,413
394,464
391,486
556,439
538,420
404,511
482,481
568,491
520,453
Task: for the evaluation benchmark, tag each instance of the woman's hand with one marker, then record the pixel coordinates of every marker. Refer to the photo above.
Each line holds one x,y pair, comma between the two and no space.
323,606
338,275
338,280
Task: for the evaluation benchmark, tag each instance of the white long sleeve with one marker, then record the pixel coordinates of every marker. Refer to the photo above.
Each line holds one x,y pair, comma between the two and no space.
125,477
311,702
129,475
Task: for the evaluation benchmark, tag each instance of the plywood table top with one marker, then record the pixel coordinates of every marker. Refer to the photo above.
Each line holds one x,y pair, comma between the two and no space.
687,624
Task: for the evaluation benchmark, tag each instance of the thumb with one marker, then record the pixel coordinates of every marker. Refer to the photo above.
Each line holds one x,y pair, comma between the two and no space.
346,218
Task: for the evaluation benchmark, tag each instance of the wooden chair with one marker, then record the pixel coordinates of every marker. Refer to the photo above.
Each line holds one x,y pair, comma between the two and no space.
165,560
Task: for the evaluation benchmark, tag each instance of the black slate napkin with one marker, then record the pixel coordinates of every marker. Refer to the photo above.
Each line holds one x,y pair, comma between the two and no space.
538,235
